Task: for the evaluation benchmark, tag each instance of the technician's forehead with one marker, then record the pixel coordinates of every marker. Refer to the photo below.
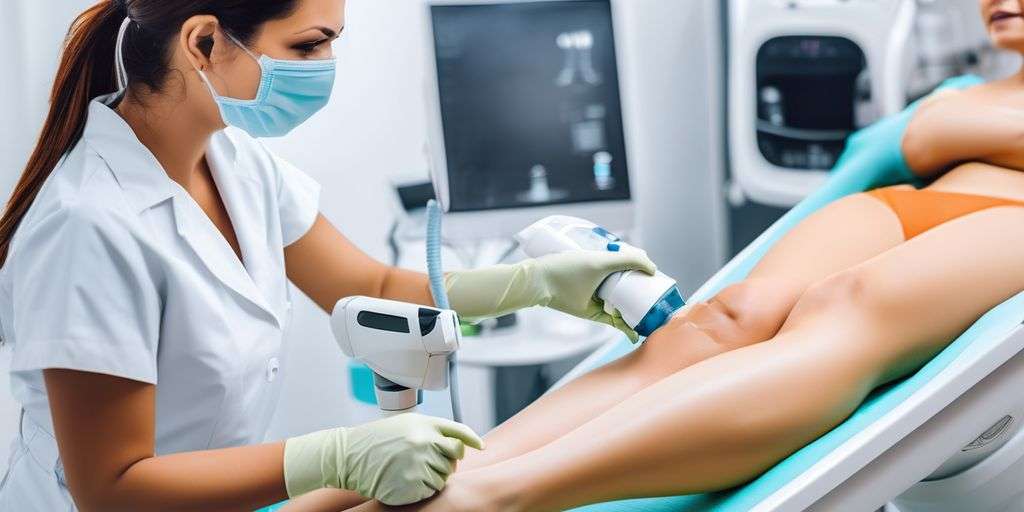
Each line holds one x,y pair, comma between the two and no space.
318,13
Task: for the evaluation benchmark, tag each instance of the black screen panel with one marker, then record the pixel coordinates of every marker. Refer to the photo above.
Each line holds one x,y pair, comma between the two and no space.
530,104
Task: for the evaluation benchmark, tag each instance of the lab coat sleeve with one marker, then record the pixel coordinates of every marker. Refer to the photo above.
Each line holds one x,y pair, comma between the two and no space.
86,299
298,201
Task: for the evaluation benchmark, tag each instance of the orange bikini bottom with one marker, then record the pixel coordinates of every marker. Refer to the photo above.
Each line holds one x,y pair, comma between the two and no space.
921,210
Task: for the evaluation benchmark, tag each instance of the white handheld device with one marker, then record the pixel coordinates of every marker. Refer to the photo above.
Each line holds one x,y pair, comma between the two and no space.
406,345
645,302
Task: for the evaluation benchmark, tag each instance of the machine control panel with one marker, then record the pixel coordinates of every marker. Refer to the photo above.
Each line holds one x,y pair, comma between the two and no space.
812,93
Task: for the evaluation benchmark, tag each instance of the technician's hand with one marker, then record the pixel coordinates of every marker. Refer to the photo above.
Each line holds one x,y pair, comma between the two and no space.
566,281
399,460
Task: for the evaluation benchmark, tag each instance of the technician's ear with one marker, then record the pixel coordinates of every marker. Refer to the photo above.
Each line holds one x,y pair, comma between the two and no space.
200,35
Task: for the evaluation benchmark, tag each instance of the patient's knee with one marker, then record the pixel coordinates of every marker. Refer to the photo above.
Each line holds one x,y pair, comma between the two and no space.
842,293
758,307
742,314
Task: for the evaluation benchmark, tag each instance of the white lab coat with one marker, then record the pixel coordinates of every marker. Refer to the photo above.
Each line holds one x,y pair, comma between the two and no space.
116,270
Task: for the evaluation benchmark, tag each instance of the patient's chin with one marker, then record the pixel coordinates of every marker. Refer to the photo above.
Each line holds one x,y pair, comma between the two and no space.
1011,40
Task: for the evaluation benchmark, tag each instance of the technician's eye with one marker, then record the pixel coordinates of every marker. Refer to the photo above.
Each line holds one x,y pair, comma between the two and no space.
310,48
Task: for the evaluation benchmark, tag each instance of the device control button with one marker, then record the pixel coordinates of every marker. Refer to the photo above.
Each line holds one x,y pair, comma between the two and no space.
604,233
428,320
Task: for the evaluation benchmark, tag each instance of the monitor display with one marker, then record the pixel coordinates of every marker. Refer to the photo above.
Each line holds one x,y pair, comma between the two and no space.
530,105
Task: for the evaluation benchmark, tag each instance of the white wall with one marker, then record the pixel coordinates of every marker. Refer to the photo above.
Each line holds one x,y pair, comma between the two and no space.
670,59
31,33
11,144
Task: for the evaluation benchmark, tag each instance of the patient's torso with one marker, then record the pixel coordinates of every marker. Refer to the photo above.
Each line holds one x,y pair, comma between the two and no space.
982,179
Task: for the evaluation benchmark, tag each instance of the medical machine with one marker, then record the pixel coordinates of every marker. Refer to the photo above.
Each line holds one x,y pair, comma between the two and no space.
525,116
805,74
407,346
644,301
802,76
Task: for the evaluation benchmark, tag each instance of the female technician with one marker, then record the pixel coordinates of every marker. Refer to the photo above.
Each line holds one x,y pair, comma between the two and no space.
146,256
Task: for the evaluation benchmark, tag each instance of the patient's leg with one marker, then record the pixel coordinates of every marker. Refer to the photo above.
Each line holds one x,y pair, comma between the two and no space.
841,235
740,315
838,237
746,313
725,420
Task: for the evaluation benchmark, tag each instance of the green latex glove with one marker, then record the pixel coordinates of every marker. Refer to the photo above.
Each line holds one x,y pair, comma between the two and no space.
399,460
565,281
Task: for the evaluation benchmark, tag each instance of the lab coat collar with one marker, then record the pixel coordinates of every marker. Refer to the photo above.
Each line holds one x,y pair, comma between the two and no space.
146,185
136,168
218,256
238,192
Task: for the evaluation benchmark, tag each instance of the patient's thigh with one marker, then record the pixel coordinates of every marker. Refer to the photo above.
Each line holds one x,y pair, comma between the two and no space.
909,302
837,237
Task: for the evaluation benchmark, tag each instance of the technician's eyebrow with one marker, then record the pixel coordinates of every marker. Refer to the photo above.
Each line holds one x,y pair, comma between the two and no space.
329,33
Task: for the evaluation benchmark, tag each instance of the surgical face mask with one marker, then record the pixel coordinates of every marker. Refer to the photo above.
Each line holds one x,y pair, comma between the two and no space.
290,92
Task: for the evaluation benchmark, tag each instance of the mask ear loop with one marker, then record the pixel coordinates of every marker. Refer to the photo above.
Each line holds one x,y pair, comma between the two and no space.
119,68
206,79
242,46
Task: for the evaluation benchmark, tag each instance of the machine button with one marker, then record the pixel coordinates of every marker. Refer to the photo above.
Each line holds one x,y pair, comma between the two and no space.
428,320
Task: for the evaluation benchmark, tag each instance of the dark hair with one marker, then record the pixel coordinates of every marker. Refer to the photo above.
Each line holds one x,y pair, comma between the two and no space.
87,71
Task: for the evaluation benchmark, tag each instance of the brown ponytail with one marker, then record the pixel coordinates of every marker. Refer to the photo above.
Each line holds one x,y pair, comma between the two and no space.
86,71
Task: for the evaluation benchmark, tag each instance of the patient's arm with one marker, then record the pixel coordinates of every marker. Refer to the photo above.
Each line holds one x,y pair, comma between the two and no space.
983,124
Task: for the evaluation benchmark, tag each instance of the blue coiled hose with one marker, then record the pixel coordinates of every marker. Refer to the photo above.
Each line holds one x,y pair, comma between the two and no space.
440,294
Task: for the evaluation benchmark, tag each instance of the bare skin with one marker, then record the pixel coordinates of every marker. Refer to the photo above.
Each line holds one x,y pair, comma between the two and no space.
708,403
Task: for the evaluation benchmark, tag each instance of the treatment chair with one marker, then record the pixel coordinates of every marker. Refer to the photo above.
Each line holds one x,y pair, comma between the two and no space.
944,439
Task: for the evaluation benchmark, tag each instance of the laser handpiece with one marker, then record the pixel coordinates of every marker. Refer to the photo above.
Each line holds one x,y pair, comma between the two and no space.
645,302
